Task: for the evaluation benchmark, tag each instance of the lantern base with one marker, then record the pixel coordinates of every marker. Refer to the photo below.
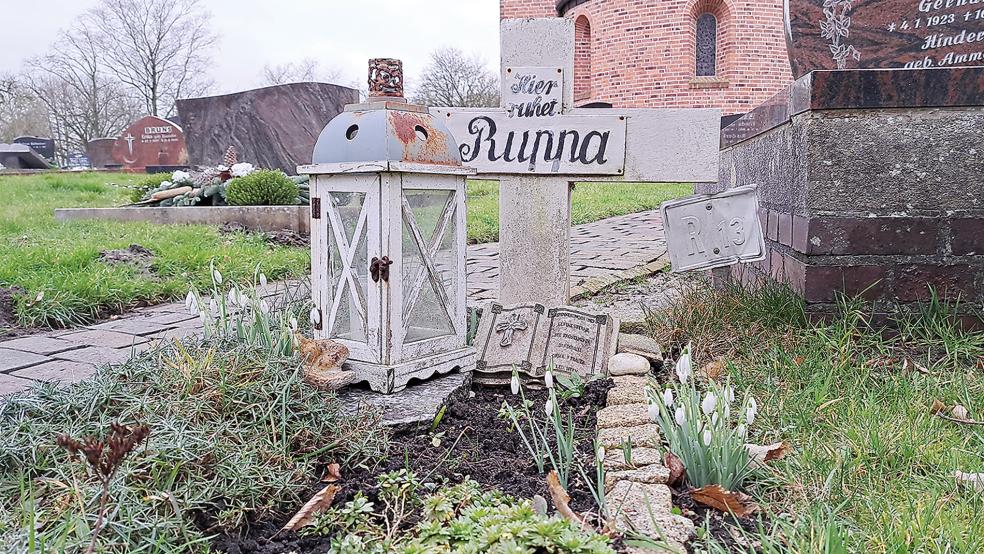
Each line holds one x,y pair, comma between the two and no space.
387,379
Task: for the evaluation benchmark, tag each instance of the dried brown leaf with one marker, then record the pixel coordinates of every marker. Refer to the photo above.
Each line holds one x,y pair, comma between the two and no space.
760,455
937,407
960,412
675,465
798,360
561,501
973,480
910,363
333,473
319,503
714,370
714,496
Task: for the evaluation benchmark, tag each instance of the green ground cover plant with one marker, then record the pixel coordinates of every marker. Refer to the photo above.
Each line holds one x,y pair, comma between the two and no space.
871,468
56,269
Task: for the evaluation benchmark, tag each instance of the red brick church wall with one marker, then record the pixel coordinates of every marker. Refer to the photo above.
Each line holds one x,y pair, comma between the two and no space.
642,52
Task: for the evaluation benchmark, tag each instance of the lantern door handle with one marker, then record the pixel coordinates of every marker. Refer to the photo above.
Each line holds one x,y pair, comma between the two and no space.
379,268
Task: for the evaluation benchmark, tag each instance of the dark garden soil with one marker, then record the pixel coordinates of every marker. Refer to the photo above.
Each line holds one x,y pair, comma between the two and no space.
8,317
474,443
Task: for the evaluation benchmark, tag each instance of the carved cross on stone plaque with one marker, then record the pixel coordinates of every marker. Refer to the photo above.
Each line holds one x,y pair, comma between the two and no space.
509,327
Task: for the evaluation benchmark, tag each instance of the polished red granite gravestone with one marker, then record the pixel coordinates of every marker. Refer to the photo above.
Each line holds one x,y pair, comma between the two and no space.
150,141
881,34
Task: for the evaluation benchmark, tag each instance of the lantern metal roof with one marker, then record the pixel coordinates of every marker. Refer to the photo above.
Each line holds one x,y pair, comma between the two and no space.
386,128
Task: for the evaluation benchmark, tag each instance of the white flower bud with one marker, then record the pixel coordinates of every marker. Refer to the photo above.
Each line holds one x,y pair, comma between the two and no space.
668,398
315,316
601,453
514,384
709,403
653,412
548,379
680,416
707,437
293,324
263,280
549,407
216,276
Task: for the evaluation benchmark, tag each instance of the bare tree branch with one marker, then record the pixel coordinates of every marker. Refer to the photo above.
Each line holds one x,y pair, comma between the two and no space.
306,70
451,79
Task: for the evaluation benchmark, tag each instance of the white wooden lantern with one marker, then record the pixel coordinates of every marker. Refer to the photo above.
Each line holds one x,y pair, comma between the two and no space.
388,241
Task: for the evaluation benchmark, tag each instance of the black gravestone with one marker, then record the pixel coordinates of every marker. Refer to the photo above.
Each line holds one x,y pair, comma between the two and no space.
869,34
43,146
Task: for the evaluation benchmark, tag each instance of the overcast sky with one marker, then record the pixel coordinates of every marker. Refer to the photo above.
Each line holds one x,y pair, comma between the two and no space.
340,34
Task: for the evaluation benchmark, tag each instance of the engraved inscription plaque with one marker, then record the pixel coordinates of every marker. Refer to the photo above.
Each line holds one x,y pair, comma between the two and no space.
529,336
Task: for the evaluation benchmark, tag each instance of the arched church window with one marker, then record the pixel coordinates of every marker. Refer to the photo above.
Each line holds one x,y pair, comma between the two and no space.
582,58
706,45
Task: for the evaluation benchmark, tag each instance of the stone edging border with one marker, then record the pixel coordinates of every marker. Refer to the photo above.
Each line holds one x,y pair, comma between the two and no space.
595,285
635,489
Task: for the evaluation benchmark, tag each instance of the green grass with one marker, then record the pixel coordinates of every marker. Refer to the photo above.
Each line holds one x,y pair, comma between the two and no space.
590,202
56,264
866,449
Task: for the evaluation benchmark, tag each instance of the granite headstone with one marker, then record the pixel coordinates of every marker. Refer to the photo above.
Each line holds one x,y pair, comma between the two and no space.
529,336
150,141
43,146
100,152
78,160
21,156
869,34
273,127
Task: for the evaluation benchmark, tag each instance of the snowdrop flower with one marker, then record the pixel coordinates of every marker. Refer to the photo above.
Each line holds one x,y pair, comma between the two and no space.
680,416
751,411
293,324
709,403
653,412
263,280
601,453
264,307
714,419
315,317
213,306
548,407
217,276
514,384
683,368
233,297
730,393
707,437
741,430
180,176
241,169
548,379
668,398
191,303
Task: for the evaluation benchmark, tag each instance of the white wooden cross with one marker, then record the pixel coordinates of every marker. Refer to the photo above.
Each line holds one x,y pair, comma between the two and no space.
537,152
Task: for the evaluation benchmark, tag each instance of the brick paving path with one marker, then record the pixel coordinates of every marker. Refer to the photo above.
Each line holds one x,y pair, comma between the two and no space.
602,253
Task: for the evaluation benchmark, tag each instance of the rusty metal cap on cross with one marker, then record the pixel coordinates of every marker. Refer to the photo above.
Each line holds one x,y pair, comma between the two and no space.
386,79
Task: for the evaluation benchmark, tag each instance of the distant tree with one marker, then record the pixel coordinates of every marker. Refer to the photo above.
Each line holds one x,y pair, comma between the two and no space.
306,70
454,80
81,98
21,112
159,48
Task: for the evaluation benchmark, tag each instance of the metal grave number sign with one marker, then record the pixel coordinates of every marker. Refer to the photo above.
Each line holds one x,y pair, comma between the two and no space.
709,231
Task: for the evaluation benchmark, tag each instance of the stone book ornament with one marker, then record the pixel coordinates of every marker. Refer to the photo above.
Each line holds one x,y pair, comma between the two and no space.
870,34
530,336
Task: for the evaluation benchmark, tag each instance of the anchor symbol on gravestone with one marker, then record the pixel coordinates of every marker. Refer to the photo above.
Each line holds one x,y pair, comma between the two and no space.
509,327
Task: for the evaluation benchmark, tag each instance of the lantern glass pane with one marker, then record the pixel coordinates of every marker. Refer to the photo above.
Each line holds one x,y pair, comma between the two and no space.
429,264
348,266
